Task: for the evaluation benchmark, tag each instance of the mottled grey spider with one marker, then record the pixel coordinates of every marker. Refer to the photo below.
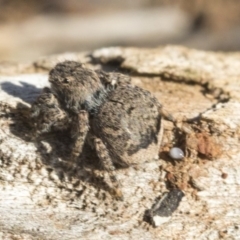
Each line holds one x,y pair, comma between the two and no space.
122,121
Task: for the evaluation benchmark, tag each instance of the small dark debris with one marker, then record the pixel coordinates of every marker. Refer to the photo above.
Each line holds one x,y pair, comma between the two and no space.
224,175
163,208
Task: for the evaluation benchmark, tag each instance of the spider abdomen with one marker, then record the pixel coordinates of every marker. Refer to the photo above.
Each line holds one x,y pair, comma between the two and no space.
129,123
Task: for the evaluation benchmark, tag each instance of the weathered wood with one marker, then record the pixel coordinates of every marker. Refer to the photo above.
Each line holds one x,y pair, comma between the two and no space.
36,204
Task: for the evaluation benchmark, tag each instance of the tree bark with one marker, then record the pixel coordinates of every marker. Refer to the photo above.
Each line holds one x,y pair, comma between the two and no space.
40,200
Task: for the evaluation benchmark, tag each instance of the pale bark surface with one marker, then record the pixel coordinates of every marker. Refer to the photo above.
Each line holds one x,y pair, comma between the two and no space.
36,204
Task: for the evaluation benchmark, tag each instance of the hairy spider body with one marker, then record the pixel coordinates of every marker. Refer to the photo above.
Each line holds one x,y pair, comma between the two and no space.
124,121
76,87
129,123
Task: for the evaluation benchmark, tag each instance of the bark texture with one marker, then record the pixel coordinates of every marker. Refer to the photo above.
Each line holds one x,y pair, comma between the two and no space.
37,203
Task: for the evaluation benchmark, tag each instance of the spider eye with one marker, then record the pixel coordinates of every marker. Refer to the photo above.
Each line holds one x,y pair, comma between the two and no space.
65,80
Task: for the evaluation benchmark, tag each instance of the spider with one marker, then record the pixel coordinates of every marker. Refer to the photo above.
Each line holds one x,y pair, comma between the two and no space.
121,121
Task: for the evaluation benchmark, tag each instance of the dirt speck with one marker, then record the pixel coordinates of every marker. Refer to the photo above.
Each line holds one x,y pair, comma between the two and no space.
224,175
207,146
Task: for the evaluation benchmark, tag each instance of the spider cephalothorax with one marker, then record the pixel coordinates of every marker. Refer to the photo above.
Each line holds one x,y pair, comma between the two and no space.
75,86
124,121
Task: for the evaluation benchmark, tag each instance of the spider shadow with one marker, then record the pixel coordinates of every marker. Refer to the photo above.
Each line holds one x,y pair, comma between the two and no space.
53,148
27,92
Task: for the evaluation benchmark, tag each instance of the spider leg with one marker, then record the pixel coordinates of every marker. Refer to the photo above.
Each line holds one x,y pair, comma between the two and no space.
107,164
46,113
79,132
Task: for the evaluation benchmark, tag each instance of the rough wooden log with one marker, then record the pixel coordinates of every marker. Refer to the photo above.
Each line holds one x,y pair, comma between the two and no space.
36,203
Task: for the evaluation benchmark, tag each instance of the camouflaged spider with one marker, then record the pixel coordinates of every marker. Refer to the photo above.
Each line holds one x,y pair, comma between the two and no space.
124,121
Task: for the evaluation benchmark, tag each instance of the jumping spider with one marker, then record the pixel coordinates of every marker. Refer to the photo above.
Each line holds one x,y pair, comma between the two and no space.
122,122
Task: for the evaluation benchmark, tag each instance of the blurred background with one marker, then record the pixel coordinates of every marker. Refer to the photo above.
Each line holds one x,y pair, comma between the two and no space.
30,29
